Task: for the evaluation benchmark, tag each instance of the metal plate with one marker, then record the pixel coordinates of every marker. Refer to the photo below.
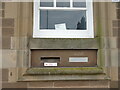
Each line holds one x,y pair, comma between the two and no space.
50,64
78,59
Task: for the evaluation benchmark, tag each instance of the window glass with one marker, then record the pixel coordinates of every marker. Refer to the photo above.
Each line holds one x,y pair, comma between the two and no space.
65,3
63,19
79,3
46,3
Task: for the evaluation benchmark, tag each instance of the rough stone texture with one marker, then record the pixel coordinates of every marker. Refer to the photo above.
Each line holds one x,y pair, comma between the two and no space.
116,23
2,5
7,32
118,13
68,43
114,84
71,84
114,77
116,32
40,85
65,71
0,75
23,43
113,43
6,42
1,13
100,84
114,57
19,42
118,5
14,85
12,77
4,74
14,43
62,77
8,22
23,59
118,42
9,58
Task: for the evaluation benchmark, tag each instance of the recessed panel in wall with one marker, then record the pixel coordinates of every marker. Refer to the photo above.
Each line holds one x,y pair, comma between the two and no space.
63,58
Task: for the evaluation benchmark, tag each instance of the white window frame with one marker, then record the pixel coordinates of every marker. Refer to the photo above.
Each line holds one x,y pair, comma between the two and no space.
89,33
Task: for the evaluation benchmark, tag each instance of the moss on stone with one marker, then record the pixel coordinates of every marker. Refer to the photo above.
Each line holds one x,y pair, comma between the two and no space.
64,71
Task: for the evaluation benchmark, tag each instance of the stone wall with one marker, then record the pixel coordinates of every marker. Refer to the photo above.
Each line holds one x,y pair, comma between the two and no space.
17,21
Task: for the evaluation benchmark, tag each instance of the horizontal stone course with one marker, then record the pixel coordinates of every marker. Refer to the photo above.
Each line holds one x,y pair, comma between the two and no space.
68,43
118,13
1,13
116,32
7,32
58,84
14,85
6,42
40,84
2,5
7,22
9,58
116,23
4,74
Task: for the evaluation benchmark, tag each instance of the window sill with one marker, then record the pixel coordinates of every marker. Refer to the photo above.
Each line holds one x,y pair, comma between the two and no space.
54,74
64,71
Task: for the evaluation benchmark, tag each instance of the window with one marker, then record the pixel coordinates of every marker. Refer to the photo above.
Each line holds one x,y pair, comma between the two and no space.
63,19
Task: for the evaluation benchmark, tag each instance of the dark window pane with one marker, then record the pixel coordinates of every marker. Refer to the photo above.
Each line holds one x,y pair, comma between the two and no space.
46,3
71,20
60,3
79,3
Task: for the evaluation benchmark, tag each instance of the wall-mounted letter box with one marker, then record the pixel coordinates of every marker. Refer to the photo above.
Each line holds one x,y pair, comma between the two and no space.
63,58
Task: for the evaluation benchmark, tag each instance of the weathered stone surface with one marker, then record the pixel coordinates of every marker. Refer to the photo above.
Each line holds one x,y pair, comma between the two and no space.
8,22
118,42
114,57
114,84
71,84
40,84
23,59
116,23
23,43
5,74
82,84
63,43
6,42
8,32
99,84
113,42
2,5
118,13
19,42
62,77
13,74
9,58
15,43
1,13
114,73
65,71
14,85
116,31
118,5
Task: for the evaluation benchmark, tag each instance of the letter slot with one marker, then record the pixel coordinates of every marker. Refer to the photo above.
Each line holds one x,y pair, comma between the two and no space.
50,61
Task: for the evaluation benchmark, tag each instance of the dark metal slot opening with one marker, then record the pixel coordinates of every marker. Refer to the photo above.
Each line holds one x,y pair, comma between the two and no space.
49,58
